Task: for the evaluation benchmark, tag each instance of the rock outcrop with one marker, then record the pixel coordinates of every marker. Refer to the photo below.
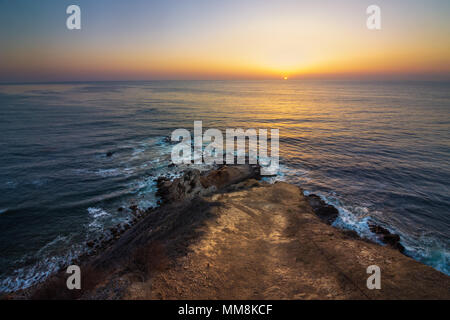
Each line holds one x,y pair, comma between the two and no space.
324,211
387,237
195,183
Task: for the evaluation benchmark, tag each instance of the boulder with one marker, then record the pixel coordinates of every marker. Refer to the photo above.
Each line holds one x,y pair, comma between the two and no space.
387,237
194,183
228,175
324,211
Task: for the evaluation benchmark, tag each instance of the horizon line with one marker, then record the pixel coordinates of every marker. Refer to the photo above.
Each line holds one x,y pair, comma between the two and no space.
204,80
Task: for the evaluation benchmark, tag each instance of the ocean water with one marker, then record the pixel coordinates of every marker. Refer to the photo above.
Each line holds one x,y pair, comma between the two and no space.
379,151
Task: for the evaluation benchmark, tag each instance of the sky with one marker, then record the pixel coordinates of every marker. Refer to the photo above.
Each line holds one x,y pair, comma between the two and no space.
226,39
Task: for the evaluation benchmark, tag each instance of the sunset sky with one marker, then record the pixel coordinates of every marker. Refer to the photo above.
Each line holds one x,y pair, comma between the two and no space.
227,39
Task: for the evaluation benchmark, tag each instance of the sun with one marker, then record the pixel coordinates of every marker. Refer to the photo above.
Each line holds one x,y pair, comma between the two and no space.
285,78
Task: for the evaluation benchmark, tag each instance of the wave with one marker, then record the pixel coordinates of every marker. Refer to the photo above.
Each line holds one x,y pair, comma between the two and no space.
47,264
428,250
109,172
97,212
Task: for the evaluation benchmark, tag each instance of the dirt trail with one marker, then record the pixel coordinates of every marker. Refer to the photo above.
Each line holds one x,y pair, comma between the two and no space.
265,242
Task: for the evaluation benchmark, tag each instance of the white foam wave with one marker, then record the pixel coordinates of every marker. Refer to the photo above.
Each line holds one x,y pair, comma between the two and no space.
47,265
428,250
97,212
98,216
108,172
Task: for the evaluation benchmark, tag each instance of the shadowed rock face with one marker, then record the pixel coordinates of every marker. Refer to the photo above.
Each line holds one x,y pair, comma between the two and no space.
387,237
324,211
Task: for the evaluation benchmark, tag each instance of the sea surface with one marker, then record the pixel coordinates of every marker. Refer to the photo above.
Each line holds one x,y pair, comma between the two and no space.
379,151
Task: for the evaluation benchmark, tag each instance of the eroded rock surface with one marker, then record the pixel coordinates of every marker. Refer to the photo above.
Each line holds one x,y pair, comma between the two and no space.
194,183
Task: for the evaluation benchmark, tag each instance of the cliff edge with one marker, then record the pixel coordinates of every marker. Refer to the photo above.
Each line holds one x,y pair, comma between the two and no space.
227,235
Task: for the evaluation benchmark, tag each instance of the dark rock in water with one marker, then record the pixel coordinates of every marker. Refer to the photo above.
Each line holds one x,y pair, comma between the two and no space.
377,229
114,231
329,213
324,211
387,237
315,201
122,228
120,209
171,165
109,154
90,244
161,179
133,208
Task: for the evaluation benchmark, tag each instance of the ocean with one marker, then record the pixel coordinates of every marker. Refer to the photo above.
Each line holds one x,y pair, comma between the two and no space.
71,154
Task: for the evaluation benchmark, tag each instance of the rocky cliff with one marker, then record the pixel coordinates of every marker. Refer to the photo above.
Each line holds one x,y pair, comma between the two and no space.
226,235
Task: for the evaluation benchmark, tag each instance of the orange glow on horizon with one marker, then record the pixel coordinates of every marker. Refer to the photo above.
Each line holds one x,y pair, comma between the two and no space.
256,46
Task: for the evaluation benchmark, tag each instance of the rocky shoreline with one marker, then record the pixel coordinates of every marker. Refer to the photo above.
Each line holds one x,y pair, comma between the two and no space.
328,213
226,226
